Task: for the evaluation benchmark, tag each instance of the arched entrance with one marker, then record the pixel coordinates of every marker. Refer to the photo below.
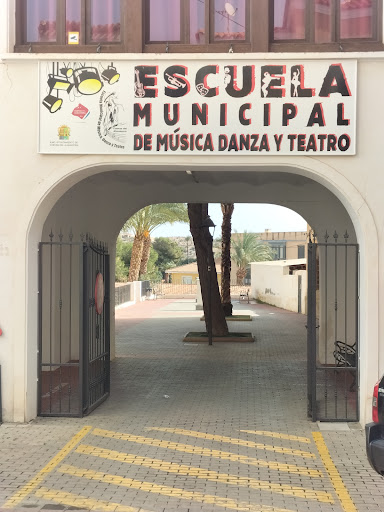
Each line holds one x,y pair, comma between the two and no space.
100,204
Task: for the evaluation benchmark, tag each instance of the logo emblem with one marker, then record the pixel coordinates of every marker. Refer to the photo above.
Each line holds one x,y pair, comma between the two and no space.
64,132
80,111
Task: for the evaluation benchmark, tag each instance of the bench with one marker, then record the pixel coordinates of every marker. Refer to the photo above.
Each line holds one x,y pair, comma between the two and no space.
244,296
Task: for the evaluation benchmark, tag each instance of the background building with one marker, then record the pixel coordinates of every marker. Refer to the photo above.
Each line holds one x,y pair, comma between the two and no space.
110,106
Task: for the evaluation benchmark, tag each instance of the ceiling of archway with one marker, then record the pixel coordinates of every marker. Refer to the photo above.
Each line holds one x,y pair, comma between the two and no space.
109,198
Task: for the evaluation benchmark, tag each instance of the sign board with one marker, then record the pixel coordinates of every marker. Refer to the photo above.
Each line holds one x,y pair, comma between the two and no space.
198,107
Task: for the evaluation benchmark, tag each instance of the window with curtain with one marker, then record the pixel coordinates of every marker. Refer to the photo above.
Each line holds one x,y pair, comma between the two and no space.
73,18
53,21
324,21
289,19
164,20
41,21
197,22
356,19
229,20
105,21
213,25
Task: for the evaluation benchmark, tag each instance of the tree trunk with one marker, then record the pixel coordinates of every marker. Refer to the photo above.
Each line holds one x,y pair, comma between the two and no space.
208,279
226,232
240,275
137,251
145,254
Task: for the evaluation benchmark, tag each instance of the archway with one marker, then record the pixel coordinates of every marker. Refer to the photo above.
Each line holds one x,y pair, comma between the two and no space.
100,203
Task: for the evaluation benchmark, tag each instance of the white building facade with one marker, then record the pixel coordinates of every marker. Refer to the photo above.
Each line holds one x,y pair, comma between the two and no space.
101,118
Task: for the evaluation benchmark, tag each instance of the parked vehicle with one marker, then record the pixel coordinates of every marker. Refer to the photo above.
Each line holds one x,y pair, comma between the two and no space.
374,432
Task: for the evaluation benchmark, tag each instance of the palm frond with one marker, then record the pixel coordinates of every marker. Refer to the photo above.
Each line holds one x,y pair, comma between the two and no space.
150,217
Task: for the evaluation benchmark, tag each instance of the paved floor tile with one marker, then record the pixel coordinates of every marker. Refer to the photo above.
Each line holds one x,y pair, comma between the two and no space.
193,428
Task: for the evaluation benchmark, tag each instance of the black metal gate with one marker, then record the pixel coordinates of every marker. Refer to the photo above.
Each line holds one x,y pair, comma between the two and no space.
332,337
74,349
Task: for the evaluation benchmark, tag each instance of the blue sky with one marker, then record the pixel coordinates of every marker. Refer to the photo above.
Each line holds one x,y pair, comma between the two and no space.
246,217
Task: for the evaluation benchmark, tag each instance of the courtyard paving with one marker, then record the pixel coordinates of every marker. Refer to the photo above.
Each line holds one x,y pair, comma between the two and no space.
191,427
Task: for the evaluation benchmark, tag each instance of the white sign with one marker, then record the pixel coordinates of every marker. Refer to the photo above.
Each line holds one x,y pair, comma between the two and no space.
199,107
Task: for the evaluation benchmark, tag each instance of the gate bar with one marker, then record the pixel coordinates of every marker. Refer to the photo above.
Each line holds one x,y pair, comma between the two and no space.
311,334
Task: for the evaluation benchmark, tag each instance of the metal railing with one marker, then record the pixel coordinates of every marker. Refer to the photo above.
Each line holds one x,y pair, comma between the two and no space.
164,290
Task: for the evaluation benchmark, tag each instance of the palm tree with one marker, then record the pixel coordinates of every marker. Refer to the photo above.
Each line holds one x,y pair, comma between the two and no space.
142,223
213,310
247,248
226,232
188,239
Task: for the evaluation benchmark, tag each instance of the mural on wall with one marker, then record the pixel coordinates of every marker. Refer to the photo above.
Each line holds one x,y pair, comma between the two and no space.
66,84
202,108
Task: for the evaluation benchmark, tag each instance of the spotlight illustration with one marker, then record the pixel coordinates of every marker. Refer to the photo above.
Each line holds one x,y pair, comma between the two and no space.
60,83
110,75
57,82
67,71
52,103
87,80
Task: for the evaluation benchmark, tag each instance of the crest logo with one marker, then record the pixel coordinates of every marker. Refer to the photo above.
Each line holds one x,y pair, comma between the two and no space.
64,132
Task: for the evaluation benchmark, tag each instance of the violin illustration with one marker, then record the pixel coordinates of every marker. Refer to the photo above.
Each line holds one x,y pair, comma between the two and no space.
139,88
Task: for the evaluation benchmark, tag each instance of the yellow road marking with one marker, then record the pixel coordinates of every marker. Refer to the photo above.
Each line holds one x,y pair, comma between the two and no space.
205,474
167,491
206,452
333,474
75,500
277,435
231,440
37,479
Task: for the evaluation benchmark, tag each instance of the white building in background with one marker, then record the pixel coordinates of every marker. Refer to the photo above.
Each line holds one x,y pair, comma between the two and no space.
281,283
136,105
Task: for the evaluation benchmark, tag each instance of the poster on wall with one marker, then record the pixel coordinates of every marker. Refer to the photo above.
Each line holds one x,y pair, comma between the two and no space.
198,107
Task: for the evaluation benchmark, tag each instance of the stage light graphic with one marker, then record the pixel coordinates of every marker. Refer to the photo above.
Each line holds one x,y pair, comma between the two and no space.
59,82
110,75
52,103
67,71
87,80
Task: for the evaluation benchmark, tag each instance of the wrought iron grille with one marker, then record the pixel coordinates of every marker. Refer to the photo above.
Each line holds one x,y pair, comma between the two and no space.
163,290
73,337
96,324
333,344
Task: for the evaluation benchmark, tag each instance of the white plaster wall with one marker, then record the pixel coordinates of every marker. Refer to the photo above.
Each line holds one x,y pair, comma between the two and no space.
271,283
33,183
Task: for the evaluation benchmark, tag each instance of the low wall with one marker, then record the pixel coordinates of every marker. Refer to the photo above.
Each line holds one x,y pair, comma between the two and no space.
123,293
130,292
272,284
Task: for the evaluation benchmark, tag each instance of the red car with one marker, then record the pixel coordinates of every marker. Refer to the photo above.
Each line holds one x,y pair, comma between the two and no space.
374,432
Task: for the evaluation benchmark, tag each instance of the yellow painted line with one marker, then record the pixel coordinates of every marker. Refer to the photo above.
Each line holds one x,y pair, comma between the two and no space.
75,500
238,442
277,435
337,482
164,490
206,452
205,474
37,479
